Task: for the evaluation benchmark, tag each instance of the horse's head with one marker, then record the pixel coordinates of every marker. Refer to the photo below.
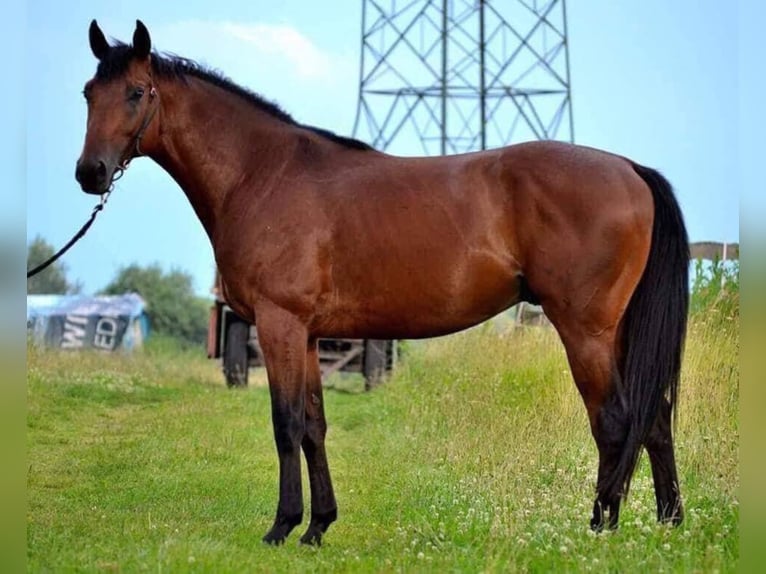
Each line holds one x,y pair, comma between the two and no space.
122,102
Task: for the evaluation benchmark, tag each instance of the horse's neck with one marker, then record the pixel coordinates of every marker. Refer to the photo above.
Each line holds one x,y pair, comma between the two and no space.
213,141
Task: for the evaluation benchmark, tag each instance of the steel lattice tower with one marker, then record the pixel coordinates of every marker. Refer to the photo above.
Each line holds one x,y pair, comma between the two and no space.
450,76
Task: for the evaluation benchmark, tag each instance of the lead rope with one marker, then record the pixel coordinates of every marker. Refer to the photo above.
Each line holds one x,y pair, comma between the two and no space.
75,239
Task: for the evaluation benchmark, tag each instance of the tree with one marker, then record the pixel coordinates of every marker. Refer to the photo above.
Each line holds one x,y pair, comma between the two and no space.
51,281
172,307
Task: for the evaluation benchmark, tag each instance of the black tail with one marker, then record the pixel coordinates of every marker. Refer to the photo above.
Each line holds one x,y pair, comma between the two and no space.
653,327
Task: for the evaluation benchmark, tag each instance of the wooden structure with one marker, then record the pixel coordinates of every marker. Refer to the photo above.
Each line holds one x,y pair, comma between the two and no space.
712,251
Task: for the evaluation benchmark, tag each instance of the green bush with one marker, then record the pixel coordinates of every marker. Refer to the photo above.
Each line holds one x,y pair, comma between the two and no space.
172,307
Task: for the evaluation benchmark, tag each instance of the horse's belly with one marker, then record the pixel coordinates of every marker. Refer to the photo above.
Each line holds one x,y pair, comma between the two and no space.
419,304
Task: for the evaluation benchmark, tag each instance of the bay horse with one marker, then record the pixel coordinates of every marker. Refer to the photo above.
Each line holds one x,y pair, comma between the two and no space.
319,235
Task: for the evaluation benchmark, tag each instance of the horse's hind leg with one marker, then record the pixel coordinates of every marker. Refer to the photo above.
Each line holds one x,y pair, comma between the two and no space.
592,360
283,341
323,507
610,429
659,445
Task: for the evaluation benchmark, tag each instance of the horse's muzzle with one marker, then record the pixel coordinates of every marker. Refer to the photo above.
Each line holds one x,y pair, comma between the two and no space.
93,175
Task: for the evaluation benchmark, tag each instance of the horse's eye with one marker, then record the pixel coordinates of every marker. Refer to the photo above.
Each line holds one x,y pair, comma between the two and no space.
137,94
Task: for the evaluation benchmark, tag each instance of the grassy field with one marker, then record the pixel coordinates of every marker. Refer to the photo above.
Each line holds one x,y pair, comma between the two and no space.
475,456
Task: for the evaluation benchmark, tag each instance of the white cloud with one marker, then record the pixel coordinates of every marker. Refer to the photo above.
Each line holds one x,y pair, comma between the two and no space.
279,45
282,40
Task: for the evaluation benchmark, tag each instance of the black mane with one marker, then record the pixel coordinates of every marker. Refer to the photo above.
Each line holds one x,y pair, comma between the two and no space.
166,65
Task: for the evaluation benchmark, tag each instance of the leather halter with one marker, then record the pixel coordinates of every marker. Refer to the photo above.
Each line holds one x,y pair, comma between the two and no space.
134,148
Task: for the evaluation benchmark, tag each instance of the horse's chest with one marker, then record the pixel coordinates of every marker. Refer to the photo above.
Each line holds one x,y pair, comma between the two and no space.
283,274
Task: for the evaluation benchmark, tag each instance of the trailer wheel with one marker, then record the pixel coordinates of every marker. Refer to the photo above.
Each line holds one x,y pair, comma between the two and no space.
376,361
235,359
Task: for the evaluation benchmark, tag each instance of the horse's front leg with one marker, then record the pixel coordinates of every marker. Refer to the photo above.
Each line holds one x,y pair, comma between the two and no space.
283,339
323,507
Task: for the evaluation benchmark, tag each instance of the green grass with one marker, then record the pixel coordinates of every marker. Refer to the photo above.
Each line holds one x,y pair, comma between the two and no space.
475,456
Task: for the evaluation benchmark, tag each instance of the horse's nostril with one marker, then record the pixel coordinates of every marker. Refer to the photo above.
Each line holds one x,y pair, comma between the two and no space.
78,172
101,169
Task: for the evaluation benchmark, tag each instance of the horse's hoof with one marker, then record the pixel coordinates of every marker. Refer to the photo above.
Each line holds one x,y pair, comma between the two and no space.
674,519
597,519
599,522
596,526
275,537
313,537
320,522
283,525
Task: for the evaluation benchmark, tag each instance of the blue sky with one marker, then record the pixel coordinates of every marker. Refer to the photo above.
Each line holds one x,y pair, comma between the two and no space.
656,81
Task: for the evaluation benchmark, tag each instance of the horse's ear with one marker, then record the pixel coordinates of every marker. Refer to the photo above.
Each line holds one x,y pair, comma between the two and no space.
142,43
98,44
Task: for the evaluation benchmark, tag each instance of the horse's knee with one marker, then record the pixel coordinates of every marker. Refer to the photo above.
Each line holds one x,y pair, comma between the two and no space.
289,429
316,430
